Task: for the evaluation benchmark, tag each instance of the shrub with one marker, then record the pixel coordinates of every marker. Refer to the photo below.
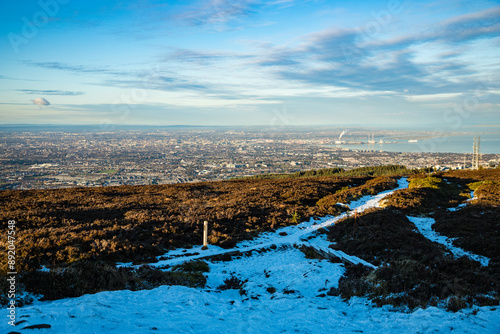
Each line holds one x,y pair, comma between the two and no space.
455,303
77,279
413,271
232,283
271,290
474,228
427,182
330,203
84,277
22,298
310,253
191,266
137,224
191,279
295,218
474,185
427,194
487,192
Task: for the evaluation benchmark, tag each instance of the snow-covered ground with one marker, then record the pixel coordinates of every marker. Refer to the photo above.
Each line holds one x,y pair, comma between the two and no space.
291,234
180,309
424,226
463,205
458,207
284,293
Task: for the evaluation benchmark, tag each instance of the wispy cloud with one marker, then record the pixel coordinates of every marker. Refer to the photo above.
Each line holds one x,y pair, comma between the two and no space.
463,28
347,58
50,92
284,3
218,11
202,57
224,13
75,68
3,77
155,78
159,82
433,97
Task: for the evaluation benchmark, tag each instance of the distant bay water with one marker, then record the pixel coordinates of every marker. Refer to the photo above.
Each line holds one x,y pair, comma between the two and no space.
490,143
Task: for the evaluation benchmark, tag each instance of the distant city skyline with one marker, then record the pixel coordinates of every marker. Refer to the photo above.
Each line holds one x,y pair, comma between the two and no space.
251,62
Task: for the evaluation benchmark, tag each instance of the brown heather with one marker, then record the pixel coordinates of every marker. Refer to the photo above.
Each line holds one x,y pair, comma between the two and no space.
81,232
138,223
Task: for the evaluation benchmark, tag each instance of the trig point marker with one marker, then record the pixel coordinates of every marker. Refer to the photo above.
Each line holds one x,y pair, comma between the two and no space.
205,234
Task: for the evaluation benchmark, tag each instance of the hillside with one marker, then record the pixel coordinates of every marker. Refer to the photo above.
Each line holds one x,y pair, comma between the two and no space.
81,233
140,222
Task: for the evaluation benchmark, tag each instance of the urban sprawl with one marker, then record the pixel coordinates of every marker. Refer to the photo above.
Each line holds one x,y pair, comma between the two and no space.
57,159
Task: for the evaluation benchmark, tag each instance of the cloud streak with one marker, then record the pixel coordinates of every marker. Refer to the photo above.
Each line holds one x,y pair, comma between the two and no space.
50,92
80,69
202,57
218,12
160,82
224,12
154,78
460,29
347,58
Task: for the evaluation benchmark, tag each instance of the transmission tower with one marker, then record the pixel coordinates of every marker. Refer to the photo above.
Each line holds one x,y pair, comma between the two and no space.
476,148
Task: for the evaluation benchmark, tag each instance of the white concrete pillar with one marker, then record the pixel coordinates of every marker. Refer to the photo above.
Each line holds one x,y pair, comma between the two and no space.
205,234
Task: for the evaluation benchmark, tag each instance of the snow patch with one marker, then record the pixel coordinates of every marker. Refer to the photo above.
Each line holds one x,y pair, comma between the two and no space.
472,197
460,206
293,234
424,226
298,302
298,305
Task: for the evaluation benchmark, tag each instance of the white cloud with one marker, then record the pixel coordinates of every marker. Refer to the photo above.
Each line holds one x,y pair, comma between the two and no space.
218,11
432,97
40,101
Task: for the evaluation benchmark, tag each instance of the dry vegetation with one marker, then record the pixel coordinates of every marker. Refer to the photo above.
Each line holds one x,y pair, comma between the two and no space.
70,229
329,203
137,223
86,276
81,232
415,272
428,194
477,226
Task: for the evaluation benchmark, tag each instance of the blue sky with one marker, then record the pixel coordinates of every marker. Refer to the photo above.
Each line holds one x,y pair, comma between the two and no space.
250,62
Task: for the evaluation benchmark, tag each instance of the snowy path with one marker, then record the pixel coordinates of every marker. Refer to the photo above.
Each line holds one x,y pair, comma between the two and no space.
340,254
424,225
284,293
294,234
463,205
298,304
